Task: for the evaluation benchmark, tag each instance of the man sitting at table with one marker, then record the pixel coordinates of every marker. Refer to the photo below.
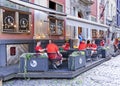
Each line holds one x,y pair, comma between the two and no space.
54,55
66,46
82,45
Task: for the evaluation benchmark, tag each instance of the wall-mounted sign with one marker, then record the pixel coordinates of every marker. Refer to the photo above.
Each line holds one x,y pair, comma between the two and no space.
8,21
23,22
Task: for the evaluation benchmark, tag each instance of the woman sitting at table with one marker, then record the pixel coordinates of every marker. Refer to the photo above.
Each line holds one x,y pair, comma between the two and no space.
66,46
53,54
82,45
38,48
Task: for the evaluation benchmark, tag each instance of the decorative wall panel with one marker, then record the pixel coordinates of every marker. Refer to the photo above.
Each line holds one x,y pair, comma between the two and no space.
14,51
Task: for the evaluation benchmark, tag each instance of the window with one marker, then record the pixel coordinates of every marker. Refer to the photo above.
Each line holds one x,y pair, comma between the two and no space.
74,11
101,34
55,6
56,26
52,26
59,8
59,27
94,33
93,18
52,5
12,51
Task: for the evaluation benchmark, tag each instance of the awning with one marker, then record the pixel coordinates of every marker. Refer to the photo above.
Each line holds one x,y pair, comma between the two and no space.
74,21
37,7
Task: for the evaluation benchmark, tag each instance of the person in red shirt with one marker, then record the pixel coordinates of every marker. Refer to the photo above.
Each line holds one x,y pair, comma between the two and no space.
54,54
38,48
88,45
93,47
115,44
82,45
66,46
102,42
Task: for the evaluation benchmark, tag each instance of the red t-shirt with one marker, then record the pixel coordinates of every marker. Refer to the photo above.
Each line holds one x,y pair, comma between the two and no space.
37,48
66,46
82,46
52,50
88,45
93,46
102,43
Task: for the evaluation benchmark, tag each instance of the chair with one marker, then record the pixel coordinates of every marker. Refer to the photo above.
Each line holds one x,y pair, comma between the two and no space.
88,54
55,59
97,53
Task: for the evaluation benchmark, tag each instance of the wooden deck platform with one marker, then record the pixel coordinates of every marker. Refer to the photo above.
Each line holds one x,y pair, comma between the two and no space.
11,72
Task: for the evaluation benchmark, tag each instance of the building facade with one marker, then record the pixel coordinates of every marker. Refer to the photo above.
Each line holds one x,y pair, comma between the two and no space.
52,19
110,20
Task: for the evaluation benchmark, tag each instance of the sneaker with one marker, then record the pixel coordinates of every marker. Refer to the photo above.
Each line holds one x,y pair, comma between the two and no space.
54,66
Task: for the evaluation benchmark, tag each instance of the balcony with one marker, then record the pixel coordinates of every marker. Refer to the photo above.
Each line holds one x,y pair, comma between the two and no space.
88,2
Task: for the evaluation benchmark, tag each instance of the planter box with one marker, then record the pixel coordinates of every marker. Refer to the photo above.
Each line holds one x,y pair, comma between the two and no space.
76,62
34,64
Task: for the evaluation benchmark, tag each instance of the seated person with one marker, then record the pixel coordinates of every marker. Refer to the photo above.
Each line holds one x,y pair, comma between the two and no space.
115,44
38,48
102,42
88,45
93,47
82,45
54,54
66,46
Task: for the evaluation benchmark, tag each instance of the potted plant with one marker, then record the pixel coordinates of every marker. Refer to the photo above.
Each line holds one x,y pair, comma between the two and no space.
76,60
32,62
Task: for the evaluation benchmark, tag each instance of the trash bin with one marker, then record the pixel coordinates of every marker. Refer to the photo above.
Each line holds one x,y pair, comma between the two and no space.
76,62
34,64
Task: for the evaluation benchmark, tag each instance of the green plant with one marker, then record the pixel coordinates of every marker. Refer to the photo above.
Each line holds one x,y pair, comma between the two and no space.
28,56
77,53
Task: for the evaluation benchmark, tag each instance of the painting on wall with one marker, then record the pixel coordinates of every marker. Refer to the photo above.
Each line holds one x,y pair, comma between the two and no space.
9,21
23,22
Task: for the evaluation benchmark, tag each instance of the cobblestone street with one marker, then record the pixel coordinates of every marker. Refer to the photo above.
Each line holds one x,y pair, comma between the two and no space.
106,74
